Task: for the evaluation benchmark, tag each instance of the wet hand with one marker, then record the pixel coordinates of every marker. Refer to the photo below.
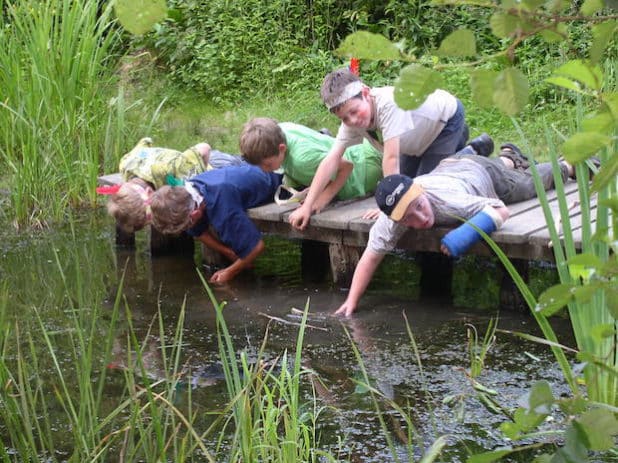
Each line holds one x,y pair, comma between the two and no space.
346,309
371,214
221,276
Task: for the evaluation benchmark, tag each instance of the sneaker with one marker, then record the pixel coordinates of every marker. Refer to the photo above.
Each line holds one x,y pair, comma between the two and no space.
483,145
325,131
512,152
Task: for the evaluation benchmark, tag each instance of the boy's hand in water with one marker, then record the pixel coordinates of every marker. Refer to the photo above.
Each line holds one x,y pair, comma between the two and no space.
222,276
346,309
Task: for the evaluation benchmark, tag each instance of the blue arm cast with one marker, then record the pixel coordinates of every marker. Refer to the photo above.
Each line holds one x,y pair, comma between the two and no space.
458,241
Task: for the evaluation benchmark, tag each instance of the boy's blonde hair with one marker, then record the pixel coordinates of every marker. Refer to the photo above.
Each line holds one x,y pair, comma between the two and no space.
338,87
129,209
171,209
260,139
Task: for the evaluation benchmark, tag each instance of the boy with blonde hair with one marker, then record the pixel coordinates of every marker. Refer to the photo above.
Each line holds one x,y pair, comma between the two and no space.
419,138
298,150
211,207
145,168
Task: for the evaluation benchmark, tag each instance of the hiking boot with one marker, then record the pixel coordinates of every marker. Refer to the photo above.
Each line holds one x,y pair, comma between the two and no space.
512,152
483,145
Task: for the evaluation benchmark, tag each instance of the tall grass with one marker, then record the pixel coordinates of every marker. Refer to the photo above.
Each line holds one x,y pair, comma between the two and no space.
59,331
587,278
56,115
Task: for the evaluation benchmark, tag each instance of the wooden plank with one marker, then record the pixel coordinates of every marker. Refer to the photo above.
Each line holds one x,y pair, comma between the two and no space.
271,212
523,206
340,217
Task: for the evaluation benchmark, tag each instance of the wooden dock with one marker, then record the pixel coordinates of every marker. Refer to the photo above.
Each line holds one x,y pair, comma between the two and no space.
524,236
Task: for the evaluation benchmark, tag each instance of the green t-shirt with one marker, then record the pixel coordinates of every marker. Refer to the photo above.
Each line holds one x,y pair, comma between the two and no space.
153,164
305,150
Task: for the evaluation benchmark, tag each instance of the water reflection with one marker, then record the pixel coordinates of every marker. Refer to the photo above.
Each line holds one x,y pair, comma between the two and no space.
270,297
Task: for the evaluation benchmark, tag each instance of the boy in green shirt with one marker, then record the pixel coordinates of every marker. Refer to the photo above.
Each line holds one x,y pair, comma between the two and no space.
298,150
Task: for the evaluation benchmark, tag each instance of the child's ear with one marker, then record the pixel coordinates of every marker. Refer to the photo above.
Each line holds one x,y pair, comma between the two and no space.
282,148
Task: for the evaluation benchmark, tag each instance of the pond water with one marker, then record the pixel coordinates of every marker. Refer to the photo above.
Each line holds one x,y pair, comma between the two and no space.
270,298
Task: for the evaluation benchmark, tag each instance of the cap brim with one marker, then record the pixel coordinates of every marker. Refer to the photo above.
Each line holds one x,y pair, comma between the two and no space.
400,209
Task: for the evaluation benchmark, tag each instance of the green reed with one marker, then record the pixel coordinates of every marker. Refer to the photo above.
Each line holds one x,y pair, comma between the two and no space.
269,420
56,112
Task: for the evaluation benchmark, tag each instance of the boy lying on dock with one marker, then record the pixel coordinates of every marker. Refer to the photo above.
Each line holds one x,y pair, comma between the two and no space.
298,150
469,187
410,142
145,169
211,207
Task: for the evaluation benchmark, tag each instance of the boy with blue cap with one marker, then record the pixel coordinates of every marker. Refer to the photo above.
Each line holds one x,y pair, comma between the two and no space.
469,187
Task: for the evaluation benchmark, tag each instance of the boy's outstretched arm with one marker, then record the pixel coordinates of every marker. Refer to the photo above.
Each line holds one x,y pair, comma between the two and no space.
213,243
390,159
330,164
367,265
228,273
343,173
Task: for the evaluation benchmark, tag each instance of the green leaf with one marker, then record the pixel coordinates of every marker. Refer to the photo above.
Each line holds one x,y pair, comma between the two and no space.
558,34
503,25
532,5
603,331
482,85
540,399
607,174
584,294
586,260
488,457
584,144
600,426
139,16
602,122
414,84
588,74
458,43
511,91
602,34
610,101
565,83
554,299
367,45
434,451
611,300
543,458
590,7
573,405
575,448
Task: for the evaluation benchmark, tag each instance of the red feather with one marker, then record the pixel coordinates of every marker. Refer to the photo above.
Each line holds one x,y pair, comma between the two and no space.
355,66
108,189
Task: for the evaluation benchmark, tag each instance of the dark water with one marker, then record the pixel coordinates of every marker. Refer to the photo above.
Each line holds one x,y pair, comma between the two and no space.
275,288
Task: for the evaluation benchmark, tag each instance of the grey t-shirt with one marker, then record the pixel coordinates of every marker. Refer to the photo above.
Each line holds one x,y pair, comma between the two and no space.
416,129
456,188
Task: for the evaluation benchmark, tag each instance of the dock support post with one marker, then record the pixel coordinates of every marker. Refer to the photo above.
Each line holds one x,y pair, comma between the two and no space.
343,261
510,297
314,260
124,239
436,273
167,244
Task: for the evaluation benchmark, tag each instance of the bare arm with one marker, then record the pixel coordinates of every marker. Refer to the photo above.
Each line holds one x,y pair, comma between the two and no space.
345,169
367,265
213,243
330,164
228,273
390,161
